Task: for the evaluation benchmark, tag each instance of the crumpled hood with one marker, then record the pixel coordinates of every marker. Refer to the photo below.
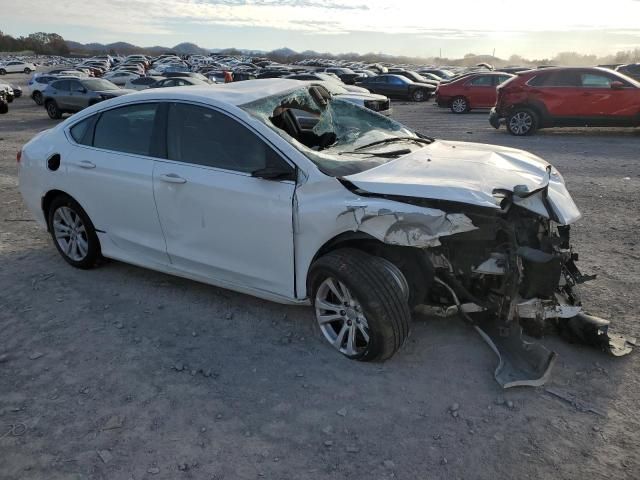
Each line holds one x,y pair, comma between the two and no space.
469,173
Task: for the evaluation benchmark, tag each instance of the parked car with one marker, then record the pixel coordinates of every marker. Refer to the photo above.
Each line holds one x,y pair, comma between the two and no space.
440,72
362,218
141,83
566,97
348,76
4,105
8,92
17,91
470,92
178,82
120,77
16,66
324,77
74,94
37,84
415,77
397,86
372,101
631,70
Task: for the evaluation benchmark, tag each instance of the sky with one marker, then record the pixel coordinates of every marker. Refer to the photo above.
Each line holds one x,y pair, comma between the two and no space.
421,28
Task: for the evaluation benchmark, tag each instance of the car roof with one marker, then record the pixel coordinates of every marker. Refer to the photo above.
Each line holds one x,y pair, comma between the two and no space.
236,93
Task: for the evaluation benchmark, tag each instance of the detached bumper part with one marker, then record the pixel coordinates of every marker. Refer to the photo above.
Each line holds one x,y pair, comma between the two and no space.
594,331
494,118
520,363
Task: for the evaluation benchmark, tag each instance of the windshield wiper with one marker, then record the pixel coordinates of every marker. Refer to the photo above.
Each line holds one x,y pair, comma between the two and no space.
392,153
426,141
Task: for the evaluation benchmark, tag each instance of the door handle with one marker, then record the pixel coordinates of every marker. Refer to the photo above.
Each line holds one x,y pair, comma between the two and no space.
172,178
86,164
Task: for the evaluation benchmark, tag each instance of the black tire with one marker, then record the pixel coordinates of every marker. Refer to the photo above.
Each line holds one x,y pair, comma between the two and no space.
93,251
522,122
4,107
10,98
460,105
379,292
37,97
3,71
27,70
52,110
419,95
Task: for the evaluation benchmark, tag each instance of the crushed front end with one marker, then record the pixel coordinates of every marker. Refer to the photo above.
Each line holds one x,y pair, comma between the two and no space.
516,273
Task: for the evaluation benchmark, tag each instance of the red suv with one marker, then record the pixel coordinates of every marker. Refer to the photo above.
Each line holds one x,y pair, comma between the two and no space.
476,90
567,97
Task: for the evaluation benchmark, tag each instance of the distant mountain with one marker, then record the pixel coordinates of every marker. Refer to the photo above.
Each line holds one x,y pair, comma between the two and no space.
189,49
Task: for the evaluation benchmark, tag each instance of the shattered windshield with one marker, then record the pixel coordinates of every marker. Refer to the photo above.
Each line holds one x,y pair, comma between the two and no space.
341,138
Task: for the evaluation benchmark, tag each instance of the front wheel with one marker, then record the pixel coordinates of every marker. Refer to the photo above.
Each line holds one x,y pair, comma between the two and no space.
73,233
27,70
360,304
522,122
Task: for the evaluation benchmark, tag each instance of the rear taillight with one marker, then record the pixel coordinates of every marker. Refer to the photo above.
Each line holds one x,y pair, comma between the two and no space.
19,156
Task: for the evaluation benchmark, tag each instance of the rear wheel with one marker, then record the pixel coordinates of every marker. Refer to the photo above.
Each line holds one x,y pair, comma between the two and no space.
360,304
3,71
522,122
73,233
37,97
53,110
459,105
419,95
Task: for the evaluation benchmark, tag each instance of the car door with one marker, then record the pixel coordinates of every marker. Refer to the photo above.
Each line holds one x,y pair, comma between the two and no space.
603,101
77,98
221,222
61,92
110,173
14,67
560,91
480,90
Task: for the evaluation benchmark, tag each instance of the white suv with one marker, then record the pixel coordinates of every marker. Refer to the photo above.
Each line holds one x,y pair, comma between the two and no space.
354,213
15,66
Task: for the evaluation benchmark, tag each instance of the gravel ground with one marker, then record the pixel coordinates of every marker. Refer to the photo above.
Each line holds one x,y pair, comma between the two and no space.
124,373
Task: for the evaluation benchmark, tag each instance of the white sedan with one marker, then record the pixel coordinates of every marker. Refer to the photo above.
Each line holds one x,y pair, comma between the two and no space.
352,212
16,66
120,78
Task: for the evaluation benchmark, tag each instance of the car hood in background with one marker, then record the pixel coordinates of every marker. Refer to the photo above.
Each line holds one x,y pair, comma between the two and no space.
470,173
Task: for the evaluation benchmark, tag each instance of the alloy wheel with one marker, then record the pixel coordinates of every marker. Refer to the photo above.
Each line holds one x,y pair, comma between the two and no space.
459,105
341,319
521,123
70,233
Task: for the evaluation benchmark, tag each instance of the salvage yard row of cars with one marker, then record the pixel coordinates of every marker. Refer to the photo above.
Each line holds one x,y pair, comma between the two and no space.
522,99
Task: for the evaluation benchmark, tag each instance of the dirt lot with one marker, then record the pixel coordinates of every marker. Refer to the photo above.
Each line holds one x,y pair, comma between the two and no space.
123,373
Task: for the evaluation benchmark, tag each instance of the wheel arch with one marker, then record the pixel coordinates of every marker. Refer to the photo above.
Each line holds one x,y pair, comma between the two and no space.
411,261
536,107
47,200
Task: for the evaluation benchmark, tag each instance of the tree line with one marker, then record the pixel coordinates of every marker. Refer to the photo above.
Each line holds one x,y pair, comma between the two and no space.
40,43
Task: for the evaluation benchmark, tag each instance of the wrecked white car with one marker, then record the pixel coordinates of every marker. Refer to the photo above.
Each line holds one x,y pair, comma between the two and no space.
276,189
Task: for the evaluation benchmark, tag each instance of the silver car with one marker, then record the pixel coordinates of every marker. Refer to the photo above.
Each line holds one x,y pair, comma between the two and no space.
73,94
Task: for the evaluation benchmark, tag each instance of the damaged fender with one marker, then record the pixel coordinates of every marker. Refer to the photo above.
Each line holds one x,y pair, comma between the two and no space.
402,224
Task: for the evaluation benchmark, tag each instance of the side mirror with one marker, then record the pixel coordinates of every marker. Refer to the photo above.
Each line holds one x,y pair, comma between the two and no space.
617,85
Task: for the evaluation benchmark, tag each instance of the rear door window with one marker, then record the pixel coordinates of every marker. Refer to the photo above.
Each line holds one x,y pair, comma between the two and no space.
127,129
567,78
62,85
482,81
82,132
